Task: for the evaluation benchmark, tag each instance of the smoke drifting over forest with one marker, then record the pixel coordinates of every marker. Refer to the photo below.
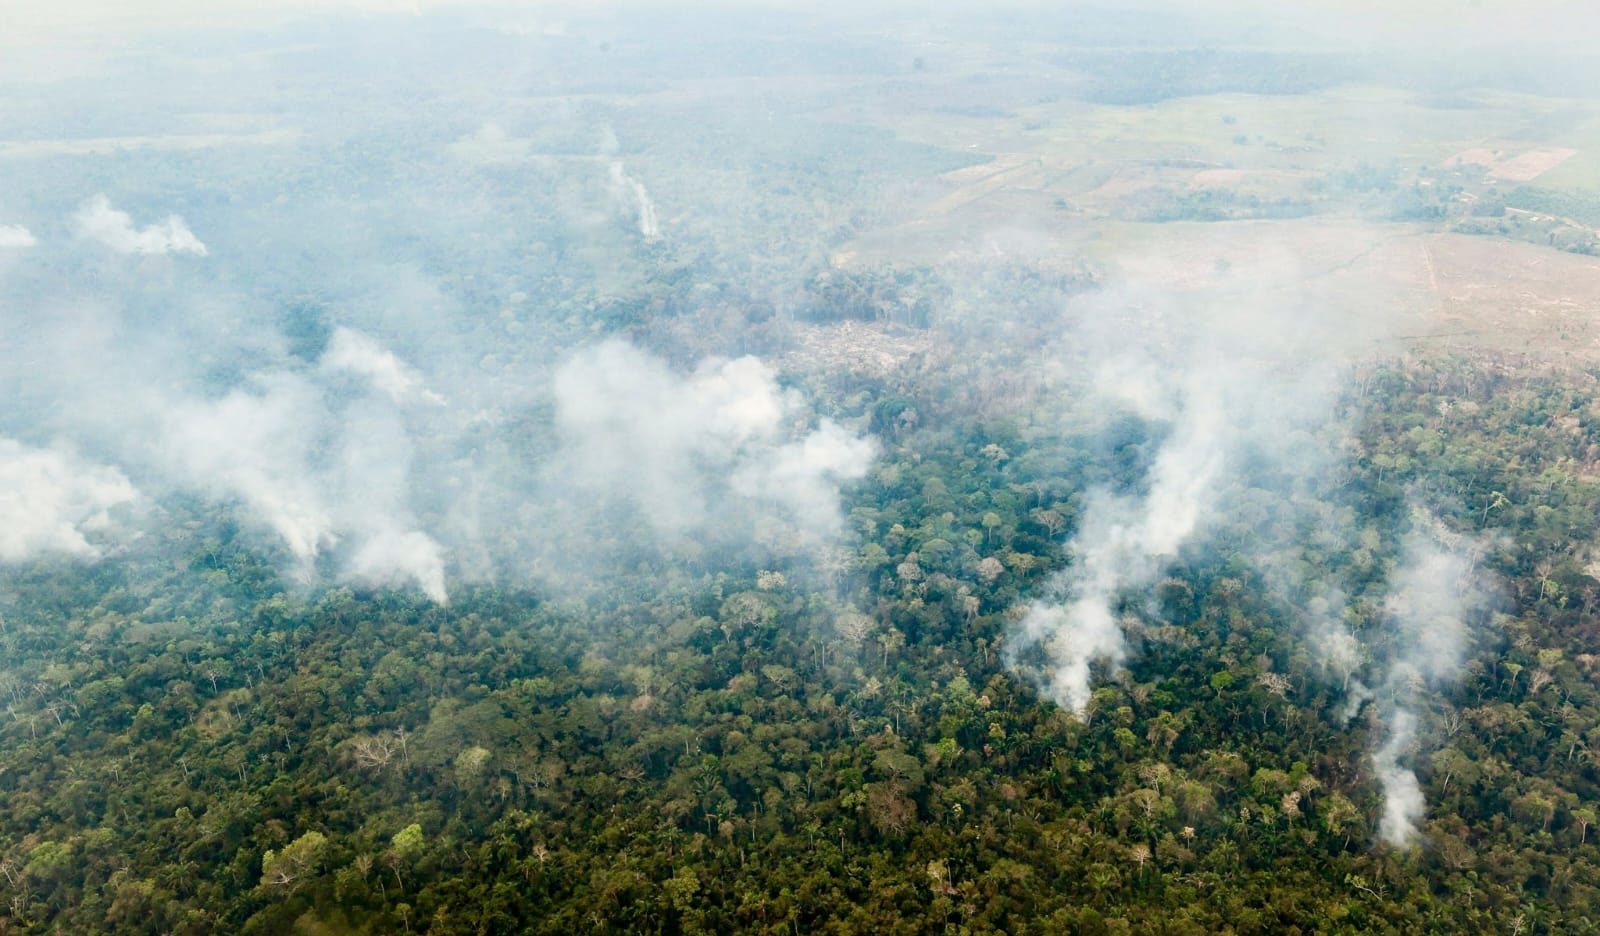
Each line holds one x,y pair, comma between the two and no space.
884,425
50,501
701,456
15,235
353,458
1244,385
1245,395
97,221
1434,595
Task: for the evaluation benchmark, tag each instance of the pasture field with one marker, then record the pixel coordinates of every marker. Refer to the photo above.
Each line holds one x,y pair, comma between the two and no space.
1357,187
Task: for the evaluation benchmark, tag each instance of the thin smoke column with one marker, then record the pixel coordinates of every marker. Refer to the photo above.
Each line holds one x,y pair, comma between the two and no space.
634,193
1237,377
1431,600
1122,544
1403,803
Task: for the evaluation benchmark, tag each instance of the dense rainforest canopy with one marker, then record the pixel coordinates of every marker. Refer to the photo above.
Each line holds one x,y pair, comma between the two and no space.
614,466
736,752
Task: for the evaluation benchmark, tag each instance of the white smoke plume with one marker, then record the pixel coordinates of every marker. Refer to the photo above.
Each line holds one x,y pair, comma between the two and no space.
15,235
1430,600
1238,389
697,454
1074,635
1123,543
1403,803
343,452
373,478
801,478
51,501
395,558
1432,597
1322,609
253,445
1242,374
633,194
1433,593
99,222
266,447
354,353
1339,650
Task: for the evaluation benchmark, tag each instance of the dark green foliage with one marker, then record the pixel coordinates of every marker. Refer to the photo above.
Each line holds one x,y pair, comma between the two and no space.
203,750
1145,76
1217,204
1580,205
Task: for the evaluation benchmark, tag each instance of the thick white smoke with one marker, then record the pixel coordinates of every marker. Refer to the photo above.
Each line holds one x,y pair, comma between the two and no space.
52,501
692,453
373,478
316,469
1403,803
1123,543
1073,635
1240,375
252,445
15,235
354,353
801,478
344,452
392,557
97,221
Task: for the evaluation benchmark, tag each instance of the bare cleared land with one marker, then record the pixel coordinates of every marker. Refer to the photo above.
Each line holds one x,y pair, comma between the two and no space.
1077,183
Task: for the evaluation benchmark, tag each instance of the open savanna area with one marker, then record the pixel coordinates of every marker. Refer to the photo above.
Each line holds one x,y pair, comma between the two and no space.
1467,216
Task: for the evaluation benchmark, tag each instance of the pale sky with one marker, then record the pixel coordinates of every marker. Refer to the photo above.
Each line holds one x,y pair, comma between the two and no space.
26,22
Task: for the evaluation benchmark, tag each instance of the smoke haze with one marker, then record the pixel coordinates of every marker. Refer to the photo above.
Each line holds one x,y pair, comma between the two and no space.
721,452
1244,397
15,235
347,453
1238,387
566,297
1433,596
52,501
97,221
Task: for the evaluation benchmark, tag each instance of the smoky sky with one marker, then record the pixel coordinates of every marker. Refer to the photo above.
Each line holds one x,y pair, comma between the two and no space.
399,329
445,294
155,380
